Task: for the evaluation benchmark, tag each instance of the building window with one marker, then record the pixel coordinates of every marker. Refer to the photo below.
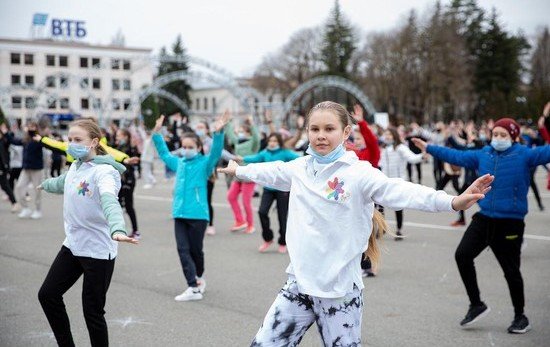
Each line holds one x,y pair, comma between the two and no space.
115,64
63,61
52,104
29,59
197,104
126,64
116,84
16,58
214,104
126,84
96,62
97,104
116,104
29,80
84,104
84,83
50,82
205,104
96,83
50,60
63,82
83,61
127,103
30,102
64,103
15,79
15,102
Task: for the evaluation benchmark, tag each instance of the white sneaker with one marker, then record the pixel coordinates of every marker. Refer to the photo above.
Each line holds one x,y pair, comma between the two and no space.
36,214
25,213
201,284
148,186
210,230
190,294
15,207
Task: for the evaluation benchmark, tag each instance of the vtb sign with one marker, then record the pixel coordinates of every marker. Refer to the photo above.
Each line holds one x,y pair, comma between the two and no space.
61,28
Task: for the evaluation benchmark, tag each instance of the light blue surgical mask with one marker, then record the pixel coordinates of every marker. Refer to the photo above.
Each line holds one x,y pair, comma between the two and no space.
330,157
388,142
78,151
189,153
273,149
241,135
501,145
200,133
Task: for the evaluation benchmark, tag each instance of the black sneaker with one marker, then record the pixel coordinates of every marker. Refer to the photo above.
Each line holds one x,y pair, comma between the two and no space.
399,235
474,314
520,325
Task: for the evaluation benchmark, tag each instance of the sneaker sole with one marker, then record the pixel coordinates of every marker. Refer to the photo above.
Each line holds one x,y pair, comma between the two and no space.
194,298
522,331
483,314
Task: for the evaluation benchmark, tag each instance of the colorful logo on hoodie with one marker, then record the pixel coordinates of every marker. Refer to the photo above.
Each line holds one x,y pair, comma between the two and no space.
335,190
83,189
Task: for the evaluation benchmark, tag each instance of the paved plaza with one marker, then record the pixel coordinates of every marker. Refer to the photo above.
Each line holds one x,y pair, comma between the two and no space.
416,300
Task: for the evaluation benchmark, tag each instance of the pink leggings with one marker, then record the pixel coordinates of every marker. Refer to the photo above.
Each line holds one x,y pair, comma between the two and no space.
247,189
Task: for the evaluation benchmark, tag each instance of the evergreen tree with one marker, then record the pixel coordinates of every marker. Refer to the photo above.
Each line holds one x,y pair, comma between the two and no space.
179,88
540,74
339,43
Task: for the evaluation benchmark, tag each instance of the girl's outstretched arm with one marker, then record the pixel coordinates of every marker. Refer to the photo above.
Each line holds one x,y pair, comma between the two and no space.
170,160
55,185
275,174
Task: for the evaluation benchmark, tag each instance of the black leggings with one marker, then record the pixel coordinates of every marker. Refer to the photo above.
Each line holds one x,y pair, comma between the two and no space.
4,184
504,236
55,170
14,175
268,197
418,170
126,199
534,186
210,190
64,272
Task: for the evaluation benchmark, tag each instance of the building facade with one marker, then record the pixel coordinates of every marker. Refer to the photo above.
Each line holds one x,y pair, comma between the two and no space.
64,79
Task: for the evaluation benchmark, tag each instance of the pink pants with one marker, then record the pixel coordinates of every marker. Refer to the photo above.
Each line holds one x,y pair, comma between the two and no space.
247,190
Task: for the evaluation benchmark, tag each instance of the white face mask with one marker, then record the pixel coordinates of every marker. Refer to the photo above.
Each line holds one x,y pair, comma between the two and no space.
501,145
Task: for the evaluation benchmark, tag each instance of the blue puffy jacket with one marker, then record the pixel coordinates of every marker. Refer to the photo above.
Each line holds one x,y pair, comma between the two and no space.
190,192
508,196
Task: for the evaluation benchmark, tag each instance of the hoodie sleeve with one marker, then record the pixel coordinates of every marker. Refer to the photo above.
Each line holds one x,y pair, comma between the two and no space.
408,155
467,159
538,155
170,160
108,182
215,152
55,185
398,194
371,141
275,174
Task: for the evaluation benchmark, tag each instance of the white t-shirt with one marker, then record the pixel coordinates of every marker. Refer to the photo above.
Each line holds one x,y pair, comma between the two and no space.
87,232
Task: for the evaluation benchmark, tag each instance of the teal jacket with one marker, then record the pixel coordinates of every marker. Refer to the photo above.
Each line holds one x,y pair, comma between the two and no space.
267,155
190,191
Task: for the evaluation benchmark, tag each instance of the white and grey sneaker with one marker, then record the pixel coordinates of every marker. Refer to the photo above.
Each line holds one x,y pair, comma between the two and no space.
25,213
190,294
201,284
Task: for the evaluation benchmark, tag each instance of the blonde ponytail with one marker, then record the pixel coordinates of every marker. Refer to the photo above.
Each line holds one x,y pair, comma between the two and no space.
379,228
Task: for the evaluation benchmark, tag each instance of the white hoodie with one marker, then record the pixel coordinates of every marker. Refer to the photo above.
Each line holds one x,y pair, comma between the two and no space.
330,215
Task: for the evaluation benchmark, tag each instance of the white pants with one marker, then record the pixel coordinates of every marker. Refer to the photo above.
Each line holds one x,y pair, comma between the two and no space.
29,176
147,172
338,320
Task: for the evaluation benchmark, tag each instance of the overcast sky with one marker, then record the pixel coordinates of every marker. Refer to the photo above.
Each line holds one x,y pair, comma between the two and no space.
235,34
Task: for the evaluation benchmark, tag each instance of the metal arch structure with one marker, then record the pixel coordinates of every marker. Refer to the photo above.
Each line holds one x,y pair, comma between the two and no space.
170,96
328,81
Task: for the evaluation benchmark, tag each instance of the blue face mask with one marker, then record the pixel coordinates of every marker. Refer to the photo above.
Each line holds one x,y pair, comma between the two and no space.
78,151
189,153
241,135
330,157
501,145
122,142
200,133
273,149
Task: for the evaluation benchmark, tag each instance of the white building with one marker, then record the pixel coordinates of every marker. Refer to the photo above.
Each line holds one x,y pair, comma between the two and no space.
63,79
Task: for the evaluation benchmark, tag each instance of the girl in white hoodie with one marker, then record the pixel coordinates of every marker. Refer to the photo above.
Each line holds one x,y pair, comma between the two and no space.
331,206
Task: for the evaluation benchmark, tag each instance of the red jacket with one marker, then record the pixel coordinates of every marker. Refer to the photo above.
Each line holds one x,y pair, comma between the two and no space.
371,152
544,134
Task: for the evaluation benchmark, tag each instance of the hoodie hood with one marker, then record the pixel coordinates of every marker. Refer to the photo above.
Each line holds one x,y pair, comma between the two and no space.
107,159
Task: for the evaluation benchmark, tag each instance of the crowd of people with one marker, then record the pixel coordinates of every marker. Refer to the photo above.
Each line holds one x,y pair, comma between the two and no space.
329,166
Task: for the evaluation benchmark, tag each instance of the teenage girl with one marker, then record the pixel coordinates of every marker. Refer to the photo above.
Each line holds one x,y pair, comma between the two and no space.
331,207
190,205
94,225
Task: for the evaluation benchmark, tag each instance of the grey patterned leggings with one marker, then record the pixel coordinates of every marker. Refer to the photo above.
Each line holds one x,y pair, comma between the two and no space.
290,316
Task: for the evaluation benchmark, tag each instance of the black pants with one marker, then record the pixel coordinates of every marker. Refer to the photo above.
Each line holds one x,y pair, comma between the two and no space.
268,197
418,170
504,236
437,170
4,184
534,187
189,239
126,199
55,170
64,272
15,172
210,190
